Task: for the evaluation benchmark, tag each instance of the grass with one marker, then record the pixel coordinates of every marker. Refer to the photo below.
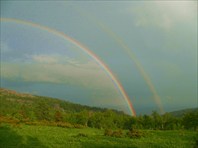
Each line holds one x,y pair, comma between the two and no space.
28,136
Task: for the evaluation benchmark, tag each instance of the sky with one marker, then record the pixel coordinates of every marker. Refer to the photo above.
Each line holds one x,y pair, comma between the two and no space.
149,46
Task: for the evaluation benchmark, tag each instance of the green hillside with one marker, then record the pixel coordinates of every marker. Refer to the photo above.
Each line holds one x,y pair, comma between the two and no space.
10,97
37,110
181,113
30,109
34,121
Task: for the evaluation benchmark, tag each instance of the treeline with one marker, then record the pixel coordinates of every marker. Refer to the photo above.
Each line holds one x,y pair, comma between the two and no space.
42,110
166,121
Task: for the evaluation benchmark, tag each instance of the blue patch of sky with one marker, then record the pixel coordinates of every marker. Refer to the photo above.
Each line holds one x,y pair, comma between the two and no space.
24,41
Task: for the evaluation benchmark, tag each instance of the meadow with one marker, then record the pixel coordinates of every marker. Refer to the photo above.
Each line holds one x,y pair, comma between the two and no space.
29,136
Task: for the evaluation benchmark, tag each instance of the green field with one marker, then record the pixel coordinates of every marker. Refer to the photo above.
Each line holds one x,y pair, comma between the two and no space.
56,137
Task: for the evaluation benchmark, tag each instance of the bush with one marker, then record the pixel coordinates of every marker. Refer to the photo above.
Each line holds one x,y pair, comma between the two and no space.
64,124
135,134
108,132
78,126
10,120
117,134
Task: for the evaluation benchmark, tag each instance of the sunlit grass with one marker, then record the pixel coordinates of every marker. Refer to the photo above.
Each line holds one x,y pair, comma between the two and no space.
47,136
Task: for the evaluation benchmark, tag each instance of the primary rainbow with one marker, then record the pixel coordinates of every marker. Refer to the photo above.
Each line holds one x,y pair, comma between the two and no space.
86,50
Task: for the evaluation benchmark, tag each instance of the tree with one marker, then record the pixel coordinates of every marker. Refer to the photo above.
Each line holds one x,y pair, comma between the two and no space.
170,122
134,123
42,111
190,120
82,117
97,120
157,120
148,122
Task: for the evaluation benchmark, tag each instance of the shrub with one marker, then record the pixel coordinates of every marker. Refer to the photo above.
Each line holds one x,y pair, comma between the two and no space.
135,134
13,121
78,126
64,124
117,134
108,132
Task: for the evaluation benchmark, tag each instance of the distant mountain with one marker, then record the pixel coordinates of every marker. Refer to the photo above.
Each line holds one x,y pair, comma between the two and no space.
182,112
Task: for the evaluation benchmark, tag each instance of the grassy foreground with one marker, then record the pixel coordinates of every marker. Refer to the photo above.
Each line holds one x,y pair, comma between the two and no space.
28,136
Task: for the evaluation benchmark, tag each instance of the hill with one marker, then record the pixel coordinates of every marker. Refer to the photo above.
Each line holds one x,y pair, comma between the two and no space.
37,110
180,113
29,109
11,97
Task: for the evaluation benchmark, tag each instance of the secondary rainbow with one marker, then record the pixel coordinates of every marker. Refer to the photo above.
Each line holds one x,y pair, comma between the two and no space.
129,52
86,50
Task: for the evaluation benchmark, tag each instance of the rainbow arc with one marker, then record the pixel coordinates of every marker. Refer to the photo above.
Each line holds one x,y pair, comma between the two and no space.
86,50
